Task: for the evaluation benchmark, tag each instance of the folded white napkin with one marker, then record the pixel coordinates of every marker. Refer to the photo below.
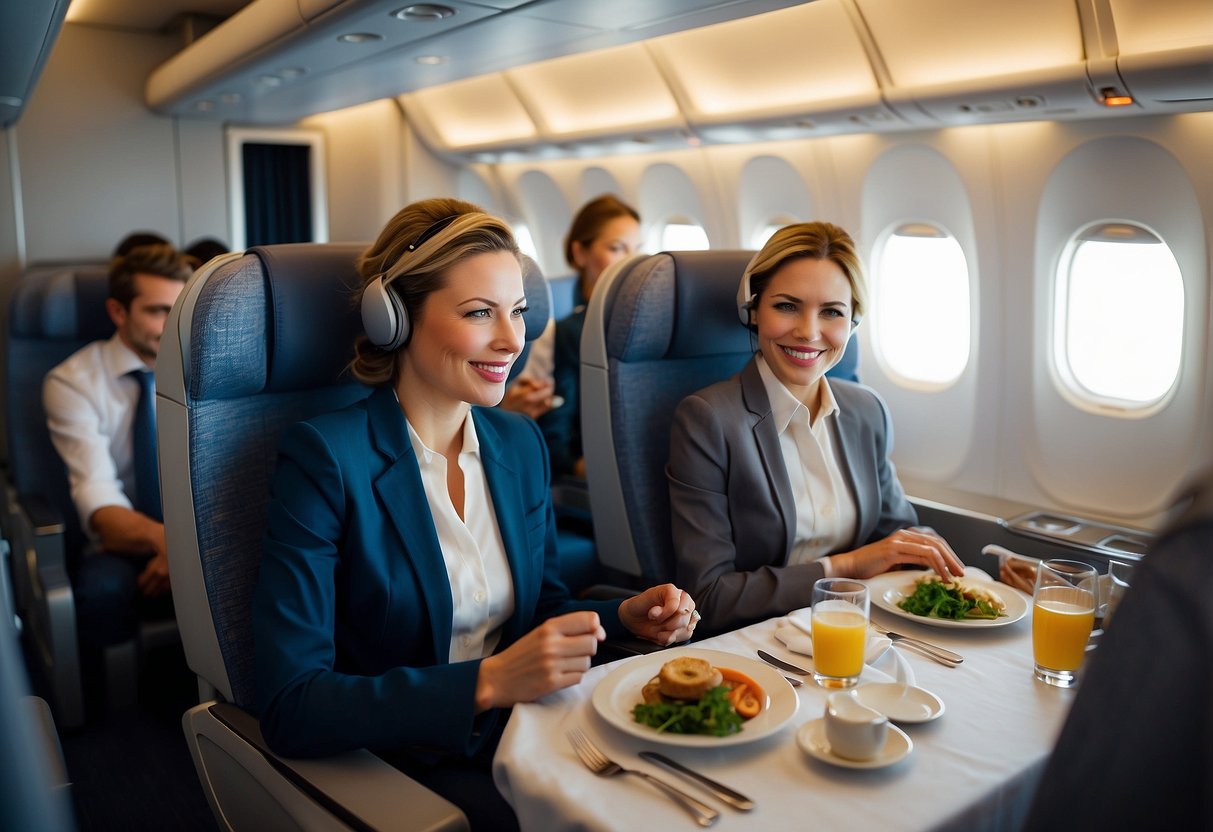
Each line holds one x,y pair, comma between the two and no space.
796,633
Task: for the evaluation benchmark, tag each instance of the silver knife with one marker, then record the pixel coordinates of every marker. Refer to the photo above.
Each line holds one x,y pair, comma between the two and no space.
735,799
781,664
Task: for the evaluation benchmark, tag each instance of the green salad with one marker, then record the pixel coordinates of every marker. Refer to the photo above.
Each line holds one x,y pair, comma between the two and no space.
712,714
935,599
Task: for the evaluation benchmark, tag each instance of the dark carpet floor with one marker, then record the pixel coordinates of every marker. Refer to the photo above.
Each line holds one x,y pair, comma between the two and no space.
132,770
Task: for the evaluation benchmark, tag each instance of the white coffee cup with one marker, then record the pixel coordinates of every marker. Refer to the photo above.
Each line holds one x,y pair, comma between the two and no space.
854,730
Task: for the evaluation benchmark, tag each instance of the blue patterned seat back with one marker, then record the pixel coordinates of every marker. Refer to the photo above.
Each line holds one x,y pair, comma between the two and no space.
672,329
52,313
271,337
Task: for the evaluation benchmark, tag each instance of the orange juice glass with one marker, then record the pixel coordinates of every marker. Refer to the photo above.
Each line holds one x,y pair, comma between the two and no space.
840,631
1063,613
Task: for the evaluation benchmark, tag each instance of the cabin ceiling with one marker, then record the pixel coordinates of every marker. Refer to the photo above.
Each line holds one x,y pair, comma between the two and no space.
499,78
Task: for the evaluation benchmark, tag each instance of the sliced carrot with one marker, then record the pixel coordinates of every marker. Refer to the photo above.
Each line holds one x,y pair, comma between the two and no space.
746,695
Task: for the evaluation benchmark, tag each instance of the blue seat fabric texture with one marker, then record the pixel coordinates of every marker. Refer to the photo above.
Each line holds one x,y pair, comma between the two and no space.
52,314
271,339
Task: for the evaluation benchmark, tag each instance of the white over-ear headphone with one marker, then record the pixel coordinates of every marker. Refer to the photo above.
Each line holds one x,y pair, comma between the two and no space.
384,317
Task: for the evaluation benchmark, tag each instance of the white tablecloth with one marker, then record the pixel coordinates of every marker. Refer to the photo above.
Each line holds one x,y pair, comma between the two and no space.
974,768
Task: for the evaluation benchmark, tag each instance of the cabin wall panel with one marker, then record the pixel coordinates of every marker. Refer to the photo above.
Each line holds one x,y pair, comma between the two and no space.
95,162
1058,178
424,173
204,203
364,167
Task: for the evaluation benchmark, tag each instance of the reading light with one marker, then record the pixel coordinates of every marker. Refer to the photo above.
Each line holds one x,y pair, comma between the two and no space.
1112,97
431,60
359,37
290,72
423,12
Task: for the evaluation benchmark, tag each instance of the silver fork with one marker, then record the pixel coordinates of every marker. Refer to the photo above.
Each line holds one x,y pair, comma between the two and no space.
603,766
939,654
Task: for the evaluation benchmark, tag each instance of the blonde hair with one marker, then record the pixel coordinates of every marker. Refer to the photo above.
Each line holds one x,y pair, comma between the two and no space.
413,254
816,240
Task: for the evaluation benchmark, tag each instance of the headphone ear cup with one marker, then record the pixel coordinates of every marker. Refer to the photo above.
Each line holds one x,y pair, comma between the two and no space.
384,317
745,301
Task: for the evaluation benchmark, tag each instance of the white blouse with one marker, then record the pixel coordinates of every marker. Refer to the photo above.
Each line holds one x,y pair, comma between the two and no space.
826,516
482,588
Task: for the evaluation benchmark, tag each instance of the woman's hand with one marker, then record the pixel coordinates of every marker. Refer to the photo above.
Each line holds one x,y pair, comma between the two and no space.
529,397
918,546
1018,572
662,614
554,655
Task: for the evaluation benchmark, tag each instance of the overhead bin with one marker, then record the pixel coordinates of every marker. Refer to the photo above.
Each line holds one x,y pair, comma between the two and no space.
798,71
275,61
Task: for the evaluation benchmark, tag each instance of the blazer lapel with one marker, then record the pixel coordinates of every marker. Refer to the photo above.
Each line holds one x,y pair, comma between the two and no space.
767,438
504,488
400,489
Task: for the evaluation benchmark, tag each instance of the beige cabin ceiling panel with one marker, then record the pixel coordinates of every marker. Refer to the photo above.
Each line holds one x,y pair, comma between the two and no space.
935,42
786,62
615,90
474,113
1160,25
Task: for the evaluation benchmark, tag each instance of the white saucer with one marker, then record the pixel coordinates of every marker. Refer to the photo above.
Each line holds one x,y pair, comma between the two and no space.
899,702
812,741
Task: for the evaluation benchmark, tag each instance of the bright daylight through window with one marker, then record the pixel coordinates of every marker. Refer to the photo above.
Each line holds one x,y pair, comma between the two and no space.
681,235
526,243
921,306
1118,278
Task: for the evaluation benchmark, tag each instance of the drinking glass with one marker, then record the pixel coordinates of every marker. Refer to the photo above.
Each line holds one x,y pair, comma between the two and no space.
1063,613
1119,576
840,631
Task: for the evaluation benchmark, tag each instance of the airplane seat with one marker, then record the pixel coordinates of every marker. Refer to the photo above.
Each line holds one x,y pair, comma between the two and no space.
658,328
259,341
565,295
847,367
54,311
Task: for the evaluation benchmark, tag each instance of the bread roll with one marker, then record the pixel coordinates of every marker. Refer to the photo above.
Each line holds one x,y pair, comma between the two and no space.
688,678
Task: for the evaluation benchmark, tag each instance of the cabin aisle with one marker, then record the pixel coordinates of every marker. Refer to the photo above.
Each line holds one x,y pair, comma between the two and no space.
132,770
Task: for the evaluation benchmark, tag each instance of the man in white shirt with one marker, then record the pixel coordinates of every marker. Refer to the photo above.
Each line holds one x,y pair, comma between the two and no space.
100,413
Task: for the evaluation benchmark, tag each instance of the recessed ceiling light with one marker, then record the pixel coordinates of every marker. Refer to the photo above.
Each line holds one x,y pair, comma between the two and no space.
423,12
291,72
359,37
229,97
431,60
269,80
204,105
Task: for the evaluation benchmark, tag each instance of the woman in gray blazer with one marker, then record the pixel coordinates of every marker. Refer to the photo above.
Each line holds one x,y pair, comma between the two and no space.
777,475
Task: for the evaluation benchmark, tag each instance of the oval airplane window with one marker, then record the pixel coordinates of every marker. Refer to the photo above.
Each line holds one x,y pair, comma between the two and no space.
763,232
1113,277
681,234
526,243
921,307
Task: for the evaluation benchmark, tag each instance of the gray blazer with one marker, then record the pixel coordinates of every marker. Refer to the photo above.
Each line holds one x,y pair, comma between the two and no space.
733,516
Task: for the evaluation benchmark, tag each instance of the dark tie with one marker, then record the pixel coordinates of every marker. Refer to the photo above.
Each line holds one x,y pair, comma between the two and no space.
147,473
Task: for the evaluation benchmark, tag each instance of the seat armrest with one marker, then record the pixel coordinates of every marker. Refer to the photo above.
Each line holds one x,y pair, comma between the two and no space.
357,787
44,518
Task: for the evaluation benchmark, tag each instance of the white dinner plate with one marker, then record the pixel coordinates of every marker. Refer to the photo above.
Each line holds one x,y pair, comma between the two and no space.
619,692
812,741
900,702
887,590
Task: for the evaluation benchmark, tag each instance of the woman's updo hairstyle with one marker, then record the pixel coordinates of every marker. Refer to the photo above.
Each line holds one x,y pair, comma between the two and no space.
413,254
815,240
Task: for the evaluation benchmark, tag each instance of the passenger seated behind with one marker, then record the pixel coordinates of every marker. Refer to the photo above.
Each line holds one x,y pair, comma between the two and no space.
408,591
206,249
101,415
605,231
138,239
779,427
1141,722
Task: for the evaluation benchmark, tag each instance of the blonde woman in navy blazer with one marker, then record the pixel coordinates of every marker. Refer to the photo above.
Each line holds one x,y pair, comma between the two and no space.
356,602
740,530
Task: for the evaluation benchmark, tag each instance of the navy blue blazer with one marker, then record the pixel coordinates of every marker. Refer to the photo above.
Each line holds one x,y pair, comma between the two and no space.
352,612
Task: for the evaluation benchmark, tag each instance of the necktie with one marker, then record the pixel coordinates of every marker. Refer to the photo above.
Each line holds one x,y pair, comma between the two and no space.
147,472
